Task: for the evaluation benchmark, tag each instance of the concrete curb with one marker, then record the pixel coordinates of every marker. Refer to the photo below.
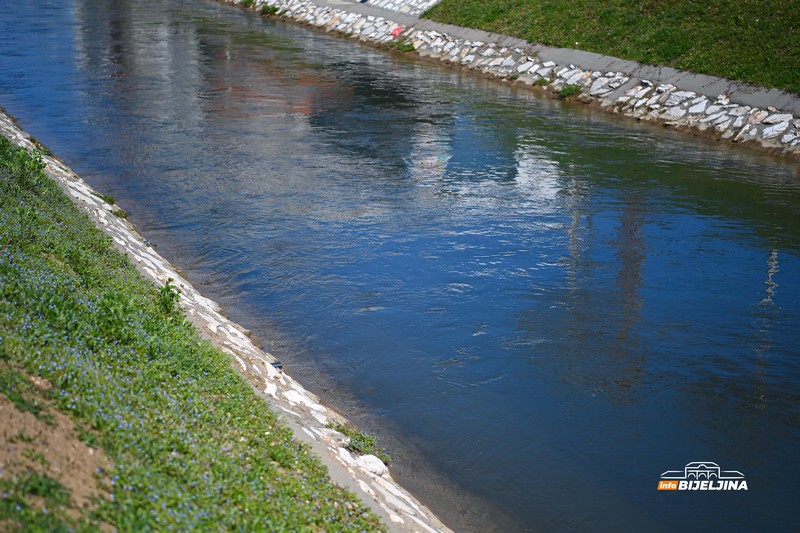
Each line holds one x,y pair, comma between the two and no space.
301,410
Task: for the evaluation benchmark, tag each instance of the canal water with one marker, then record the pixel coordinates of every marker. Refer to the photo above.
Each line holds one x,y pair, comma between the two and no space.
538,308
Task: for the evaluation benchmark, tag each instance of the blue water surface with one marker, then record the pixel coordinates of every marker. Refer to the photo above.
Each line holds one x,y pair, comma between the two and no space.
537,307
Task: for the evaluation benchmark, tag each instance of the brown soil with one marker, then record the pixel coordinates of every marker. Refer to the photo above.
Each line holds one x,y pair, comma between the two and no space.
49,445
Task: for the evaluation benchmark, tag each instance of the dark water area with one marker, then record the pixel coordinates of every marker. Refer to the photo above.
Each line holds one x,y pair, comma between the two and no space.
537,307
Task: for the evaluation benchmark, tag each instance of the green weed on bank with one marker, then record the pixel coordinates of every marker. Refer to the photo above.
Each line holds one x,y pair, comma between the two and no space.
194,448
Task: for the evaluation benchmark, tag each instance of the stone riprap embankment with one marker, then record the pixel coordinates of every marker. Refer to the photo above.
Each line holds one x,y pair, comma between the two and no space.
724,109
366,475
407,7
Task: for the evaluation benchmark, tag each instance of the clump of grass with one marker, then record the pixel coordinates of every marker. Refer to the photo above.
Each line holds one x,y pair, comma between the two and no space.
19,170
168,297
248,3
362,443
40,147
269,11
47,516
403,46
542,82
570,89
107,198
193,446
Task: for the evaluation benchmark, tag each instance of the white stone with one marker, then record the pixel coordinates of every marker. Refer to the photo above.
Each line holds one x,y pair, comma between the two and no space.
372,464
713,117
722,126
575,78
713,109
698,107
617,81
774,131
722,119
525,67
789,137
598,86
679,97
548,64
509,61
742,133
758,116
774,119
675,113
739,111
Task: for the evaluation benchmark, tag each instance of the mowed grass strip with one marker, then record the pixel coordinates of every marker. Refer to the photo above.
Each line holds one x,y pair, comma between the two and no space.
192,446
748,40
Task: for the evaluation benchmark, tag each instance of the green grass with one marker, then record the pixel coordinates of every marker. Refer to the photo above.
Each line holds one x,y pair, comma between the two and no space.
749,40
362,443
194,448
402,46
15,503
569,90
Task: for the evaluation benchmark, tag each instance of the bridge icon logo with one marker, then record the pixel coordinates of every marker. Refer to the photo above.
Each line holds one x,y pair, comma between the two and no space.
702,475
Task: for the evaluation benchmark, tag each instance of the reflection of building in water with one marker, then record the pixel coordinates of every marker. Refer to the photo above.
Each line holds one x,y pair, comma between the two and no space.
121,40
764,331
595,326
430,152
772,269
176,75
537,175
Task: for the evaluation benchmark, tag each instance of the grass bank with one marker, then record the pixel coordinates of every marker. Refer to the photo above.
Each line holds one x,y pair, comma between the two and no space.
98,366
748,40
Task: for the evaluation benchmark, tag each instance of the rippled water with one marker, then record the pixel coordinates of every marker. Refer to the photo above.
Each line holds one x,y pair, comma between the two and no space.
538,308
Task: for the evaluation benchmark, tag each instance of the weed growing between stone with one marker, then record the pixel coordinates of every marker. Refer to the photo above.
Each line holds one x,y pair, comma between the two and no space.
362,443
402,46
194,448
569,90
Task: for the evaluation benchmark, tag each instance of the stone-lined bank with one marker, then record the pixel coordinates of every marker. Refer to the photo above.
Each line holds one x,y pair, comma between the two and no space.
727,110
303,412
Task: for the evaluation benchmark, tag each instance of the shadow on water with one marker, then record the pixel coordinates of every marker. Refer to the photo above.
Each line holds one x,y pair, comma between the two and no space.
539,309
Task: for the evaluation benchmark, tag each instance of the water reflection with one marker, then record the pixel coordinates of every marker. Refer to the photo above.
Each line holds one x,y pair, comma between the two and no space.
523,300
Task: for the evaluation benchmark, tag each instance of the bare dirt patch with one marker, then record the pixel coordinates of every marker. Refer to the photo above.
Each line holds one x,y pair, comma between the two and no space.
42,454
